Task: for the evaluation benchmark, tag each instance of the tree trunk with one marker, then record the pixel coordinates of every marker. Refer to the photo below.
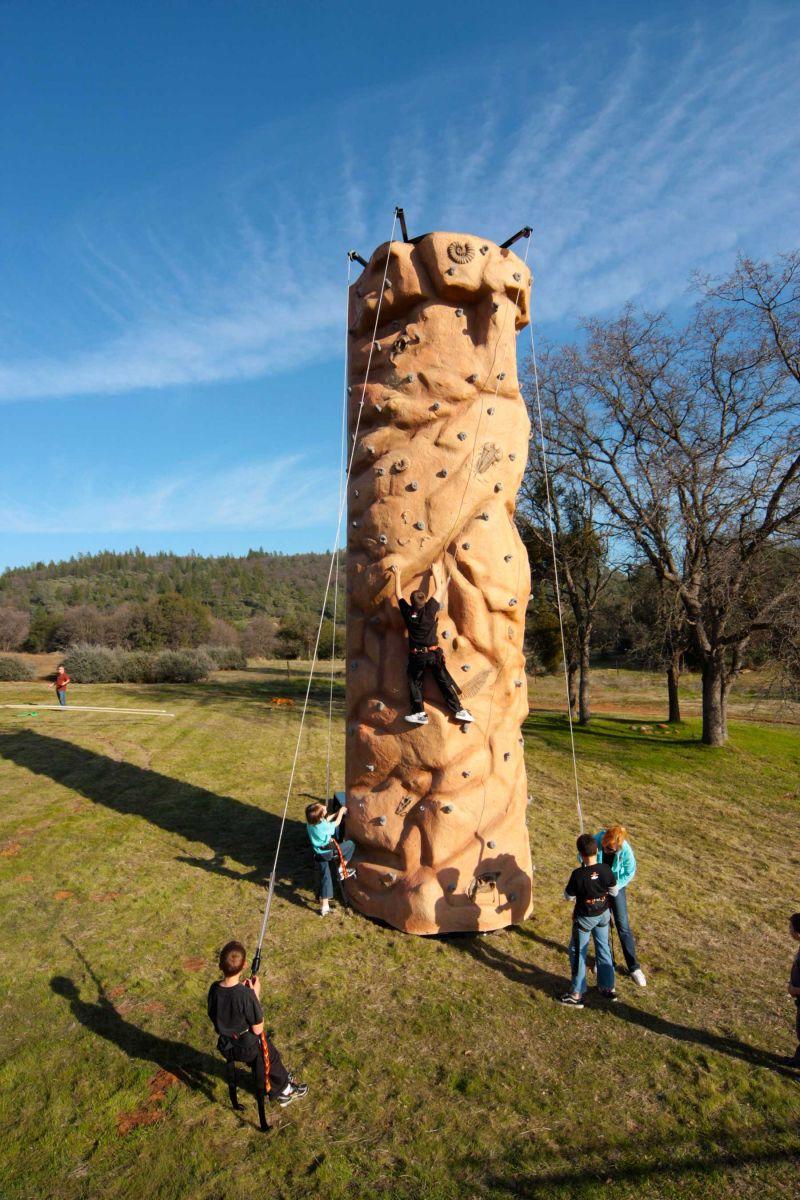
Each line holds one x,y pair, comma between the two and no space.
715,722
572,685
673,675
584,703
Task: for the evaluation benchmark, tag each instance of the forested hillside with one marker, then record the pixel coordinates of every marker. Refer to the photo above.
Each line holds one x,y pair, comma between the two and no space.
148,600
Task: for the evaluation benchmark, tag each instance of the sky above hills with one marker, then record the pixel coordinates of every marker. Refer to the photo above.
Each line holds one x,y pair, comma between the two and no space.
181,182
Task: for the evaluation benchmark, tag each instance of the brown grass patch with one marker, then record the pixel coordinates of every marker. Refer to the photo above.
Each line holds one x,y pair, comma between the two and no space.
194,964
63,894
151,1110
10,849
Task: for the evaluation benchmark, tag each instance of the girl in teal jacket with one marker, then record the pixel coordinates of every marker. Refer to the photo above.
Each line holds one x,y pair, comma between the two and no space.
614,849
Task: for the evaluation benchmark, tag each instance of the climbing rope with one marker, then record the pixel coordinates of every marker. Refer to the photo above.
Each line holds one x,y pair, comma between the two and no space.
551,527
334,556
342,454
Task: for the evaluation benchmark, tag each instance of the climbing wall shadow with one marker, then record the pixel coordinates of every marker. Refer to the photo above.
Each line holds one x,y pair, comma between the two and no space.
230,828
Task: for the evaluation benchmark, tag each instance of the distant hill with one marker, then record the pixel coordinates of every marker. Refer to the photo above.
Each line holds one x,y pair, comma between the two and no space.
284,586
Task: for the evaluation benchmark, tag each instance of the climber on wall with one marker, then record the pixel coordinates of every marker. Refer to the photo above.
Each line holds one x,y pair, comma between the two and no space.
423,652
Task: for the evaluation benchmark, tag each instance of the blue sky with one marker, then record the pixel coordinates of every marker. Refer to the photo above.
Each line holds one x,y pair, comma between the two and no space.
181,181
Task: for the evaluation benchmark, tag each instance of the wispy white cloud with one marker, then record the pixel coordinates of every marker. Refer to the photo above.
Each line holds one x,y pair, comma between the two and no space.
636,161
263,497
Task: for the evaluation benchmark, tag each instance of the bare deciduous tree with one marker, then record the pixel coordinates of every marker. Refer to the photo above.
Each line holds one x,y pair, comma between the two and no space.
690,440
14,626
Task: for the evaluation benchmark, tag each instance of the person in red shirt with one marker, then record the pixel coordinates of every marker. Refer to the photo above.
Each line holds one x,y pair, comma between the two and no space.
62,679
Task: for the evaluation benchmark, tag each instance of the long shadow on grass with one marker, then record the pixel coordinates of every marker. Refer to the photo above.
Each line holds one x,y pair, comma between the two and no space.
192,1067
229,827
666,1167
518,970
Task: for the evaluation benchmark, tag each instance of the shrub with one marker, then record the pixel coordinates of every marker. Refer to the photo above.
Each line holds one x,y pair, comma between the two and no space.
92,664
137,666
182,666
15,670
226,658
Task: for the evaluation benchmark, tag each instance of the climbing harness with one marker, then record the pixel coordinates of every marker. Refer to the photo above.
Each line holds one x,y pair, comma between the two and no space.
256,964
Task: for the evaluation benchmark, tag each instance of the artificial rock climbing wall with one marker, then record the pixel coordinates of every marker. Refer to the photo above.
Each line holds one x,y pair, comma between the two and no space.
438,811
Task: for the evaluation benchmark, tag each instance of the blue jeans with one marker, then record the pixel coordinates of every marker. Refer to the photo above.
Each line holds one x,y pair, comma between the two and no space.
619,910
584,929
62,698
323,862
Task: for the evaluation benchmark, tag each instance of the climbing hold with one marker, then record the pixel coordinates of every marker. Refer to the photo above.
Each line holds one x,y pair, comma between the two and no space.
484,516
370,766
400,465
353,665
446,633
349,391
472,379
517,683
517,276
465,667
512,458
419,524
507,557
491,845
413,486
356,492
498,487
387,283
376,346
381,820
380,706
354,524
443,473
512,602
447,808
450,271
459,312
507,756
513,895
383,539
484,249
436,406
462,437
495,306
378,408
380,471
465,545
389,878
501,375
408,379
490,411
451,887
466,774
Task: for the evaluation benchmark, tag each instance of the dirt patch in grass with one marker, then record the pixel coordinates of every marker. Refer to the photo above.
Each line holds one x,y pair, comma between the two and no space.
151,1110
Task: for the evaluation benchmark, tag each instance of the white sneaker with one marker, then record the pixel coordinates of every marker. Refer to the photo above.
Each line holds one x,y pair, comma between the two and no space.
638,977
463,715
417,718
323,912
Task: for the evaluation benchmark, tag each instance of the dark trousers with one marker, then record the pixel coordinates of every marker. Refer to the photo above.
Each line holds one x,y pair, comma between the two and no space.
323,863
248,1051
619,911
433,661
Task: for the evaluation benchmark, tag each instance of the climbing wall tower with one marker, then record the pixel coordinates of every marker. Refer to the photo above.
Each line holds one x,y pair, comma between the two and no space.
438,811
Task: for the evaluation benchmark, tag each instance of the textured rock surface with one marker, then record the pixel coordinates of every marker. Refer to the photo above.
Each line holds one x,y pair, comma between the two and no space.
438,811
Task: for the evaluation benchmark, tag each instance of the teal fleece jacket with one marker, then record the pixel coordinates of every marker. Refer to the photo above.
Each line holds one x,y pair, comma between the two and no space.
623,863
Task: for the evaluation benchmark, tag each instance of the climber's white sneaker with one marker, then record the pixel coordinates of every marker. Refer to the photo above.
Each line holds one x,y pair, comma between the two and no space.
638,977
463,715
417,718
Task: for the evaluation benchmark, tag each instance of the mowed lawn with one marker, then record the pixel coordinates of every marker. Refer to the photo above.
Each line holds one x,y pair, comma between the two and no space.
132,847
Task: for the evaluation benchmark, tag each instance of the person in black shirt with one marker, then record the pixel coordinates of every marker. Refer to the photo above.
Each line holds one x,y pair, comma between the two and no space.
236,1014
794,984
424,654
590,886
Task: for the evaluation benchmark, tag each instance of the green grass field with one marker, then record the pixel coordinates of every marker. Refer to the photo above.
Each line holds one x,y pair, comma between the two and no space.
442,1069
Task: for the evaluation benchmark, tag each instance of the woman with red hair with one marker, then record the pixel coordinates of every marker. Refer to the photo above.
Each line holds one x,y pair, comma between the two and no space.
614,849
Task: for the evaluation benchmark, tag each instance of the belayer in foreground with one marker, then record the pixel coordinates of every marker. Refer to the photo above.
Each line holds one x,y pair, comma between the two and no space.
424,652
236,1014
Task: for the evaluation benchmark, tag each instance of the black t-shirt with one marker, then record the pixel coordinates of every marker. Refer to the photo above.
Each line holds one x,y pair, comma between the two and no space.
794,977
588,886
420,623
233,1009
